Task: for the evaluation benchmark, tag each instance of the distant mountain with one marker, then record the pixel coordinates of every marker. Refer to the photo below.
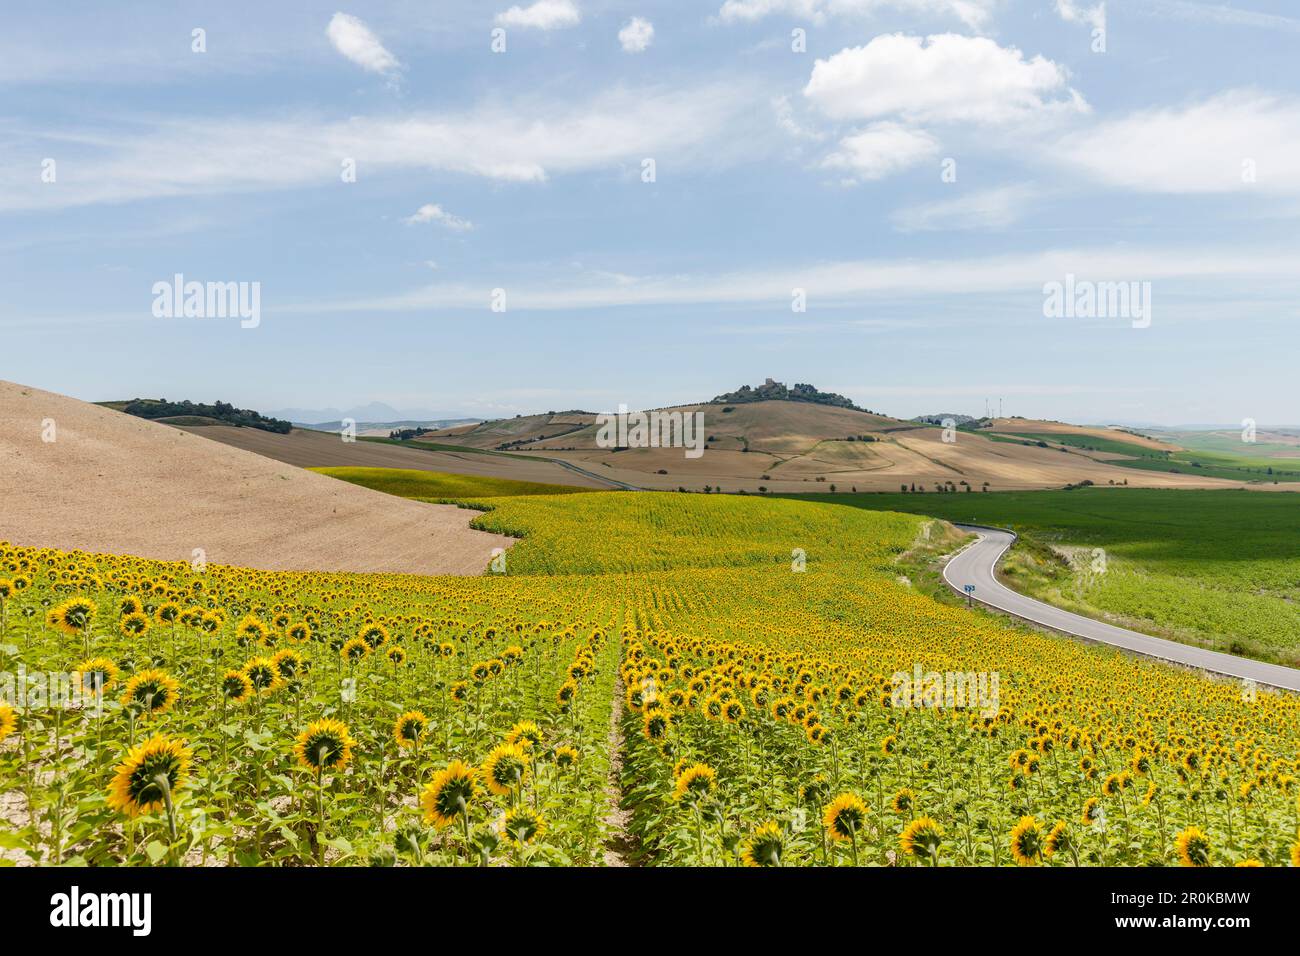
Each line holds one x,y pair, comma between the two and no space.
425,424
370,414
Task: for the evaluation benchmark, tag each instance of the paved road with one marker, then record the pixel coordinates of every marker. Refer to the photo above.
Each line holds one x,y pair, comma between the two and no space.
612,482
975,566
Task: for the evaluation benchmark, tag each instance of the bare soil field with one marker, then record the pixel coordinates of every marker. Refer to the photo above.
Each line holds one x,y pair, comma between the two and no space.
1029,426
310,449
108,482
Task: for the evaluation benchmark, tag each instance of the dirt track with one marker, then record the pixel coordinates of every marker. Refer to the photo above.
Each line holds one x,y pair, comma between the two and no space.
109,482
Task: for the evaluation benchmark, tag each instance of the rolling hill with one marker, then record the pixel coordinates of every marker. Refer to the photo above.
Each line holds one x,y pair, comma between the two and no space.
79,476
790,446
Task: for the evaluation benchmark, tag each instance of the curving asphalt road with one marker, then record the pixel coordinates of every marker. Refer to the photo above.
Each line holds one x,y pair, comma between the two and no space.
975,565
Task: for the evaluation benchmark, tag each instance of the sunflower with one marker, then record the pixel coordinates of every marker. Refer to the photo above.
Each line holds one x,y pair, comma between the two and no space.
73,616
8,720
695,781
765,846
655,725
524,825
1295,847
845,817
1193,847
264,674
373,635
354,650
1058,838
324,745
396,656
133,625
904,800
409,727
98,675
526,734
1090,811
299,633
147,774
449,794
1027,841
236,687
564,696
289,664
153,691
921,838
167,613
505,768
565,756
129,605
250,631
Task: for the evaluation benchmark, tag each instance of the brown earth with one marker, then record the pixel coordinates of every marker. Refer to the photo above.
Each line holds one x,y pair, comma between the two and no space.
789,447
112,483
1030,426
312,449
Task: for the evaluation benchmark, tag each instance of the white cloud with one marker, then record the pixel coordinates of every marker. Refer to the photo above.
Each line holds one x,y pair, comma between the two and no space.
542,15
1221,14
1201,148
786,119
637,36
941,78
359,44
432,212
526,140
881,150
1230,270
1074,12
973,13
986,209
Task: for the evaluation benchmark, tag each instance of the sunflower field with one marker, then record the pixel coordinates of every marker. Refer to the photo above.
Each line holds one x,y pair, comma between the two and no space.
658,680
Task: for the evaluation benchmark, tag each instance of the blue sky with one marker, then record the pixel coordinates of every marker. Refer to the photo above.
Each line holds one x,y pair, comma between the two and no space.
775,170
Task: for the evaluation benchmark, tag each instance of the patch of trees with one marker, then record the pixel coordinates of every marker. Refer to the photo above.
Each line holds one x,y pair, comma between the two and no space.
777,391
224,412
406,434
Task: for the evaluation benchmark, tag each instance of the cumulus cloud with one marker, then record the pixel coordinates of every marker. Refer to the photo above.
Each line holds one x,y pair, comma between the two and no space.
432,212
973,13
1073,12
1238,140
881,150
358,43
944,78
637,36
542,15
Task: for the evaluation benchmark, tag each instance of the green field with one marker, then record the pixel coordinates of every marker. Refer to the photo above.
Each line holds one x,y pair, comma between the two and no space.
1219,569
1092,443
439,486
1208,460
